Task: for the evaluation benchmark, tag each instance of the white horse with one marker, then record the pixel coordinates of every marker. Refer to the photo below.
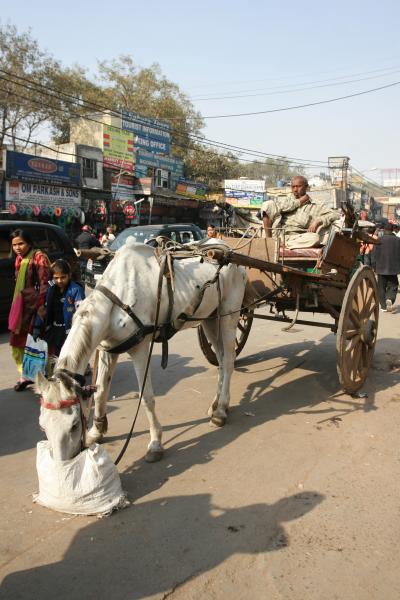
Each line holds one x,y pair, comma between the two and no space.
103,321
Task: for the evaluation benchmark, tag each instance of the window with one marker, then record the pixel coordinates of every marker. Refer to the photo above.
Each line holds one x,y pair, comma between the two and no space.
162,178
89,168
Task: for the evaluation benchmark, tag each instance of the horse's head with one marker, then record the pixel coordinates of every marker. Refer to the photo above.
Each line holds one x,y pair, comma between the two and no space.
62,414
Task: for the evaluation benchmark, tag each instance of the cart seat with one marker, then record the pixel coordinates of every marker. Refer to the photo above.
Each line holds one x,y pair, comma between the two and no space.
301,253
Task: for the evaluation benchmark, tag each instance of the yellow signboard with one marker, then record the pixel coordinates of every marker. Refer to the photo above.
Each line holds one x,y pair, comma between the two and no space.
117,148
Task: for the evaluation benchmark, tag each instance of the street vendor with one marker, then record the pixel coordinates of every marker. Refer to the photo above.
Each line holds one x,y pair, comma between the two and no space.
298,219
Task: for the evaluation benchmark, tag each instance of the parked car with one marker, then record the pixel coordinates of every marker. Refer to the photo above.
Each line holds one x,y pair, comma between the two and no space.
49,238
179,232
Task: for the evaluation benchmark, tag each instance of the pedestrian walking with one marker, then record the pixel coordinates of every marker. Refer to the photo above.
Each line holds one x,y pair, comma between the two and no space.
387,260
108,238
367,250
54,319
32,272
85,241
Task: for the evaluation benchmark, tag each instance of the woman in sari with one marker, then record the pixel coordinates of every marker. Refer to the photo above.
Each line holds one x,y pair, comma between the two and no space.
32,272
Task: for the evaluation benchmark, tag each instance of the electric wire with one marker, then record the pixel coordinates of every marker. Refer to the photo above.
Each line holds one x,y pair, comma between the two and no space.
307,105
294,90
279,159
201,139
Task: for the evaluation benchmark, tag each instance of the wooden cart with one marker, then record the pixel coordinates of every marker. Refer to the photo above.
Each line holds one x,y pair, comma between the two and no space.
313,280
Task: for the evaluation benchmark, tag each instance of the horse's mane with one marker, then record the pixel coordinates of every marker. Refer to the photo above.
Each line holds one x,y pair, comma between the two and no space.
82,338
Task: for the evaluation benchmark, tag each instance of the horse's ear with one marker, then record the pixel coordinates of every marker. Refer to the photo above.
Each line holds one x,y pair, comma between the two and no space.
41,383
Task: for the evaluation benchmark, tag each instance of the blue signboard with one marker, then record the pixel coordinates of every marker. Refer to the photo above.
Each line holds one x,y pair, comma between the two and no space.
150,134
152,144
148,159
26,167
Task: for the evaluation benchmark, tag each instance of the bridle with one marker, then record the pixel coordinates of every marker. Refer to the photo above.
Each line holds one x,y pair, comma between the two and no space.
75,400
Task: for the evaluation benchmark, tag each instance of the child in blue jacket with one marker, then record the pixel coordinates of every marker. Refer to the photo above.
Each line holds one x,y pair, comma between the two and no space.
62,300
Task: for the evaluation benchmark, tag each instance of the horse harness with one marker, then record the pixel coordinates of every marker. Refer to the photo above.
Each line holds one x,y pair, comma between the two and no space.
166,330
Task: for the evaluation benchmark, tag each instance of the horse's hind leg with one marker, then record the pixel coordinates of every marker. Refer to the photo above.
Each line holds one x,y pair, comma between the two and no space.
105,372
139,356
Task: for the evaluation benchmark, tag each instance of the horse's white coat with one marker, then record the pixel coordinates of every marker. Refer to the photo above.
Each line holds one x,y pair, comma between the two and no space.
133,276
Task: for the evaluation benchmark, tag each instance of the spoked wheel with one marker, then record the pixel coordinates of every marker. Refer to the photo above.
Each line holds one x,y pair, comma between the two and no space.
242,333
357,330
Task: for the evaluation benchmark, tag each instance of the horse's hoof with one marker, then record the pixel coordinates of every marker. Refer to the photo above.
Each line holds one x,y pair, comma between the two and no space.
218,421
153,456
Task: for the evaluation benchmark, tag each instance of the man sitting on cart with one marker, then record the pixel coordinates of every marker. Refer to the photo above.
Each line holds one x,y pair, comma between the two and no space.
299,220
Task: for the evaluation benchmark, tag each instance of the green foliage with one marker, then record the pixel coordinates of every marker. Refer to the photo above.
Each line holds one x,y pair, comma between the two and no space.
211,167
38,99
148,92
21,112
271,170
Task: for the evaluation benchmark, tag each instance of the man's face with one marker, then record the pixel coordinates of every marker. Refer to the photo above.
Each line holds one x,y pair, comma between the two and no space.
299,187
211,233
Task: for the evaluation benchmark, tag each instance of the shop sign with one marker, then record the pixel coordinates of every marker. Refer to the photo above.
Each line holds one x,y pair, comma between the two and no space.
245,193
191,188
27,167
244,185
143,185
245,202
146,159
149,134
131,213
122,188
18,192
117,149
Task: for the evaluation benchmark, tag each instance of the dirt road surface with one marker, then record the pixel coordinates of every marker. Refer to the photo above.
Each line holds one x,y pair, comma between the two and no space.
296,498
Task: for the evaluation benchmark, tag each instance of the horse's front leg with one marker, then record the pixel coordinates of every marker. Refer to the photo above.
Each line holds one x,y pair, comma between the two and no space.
222,335
105,372
139,356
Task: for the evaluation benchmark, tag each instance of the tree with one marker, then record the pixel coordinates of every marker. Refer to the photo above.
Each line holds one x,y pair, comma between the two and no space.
271,170
21,113
211,167
148,92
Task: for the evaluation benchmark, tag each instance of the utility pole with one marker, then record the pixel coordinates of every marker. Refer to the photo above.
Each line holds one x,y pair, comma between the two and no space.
341,164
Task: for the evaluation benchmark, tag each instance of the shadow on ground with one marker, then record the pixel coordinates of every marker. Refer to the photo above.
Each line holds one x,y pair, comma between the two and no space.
155,546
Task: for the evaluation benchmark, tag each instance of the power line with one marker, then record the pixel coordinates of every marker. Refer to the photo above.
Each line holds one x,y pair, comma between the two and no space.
94,159
287,108
291,76
291,91
200,139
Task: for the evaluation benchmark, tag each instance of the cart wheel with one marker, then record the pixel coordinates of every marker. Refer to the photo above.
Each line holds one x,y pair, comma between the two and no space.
242,333
357,330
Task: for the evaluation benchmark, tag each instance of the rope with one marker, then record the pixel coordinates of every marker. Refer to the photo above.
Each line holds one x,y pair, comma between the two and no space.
159,288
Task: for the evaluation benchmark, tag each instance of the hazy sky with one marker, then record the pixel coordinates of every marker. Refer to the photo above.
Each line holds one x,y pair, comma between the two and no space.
264,50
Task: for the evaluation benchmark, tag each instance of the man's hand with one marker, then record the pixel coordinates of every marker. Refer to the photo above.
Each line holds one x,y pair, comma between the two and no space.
314,225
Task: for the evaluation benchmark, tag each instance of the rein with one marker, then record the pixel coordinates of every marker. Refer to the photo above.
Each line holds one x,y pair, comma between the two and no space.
153,338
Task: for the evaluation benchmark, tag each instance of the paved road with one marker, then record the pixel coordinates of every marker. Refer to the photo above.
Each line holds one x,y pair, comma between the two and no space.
295,498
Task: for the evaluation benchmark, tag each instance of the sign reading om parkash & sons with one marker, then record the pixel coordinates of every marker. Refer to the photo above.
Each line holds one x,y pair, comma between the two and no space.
40,194
117,149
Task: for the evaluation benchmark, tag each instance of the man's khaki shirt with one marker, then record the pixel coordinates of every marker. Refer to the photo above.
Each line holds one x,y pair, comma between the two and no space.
286,213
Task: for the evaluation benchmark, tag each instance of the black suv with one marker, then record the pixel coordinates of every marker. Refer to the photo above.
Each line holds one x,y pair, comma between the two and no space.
49,238
179,232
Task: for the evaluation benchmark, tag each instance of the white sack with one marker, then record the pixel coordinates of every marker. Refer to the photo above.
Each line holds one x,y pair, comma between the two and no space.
85,485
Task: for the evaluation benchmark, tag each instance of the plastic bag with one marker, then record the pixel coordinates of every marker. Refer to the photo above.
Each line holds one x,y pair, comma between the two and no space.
35,358
88,484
